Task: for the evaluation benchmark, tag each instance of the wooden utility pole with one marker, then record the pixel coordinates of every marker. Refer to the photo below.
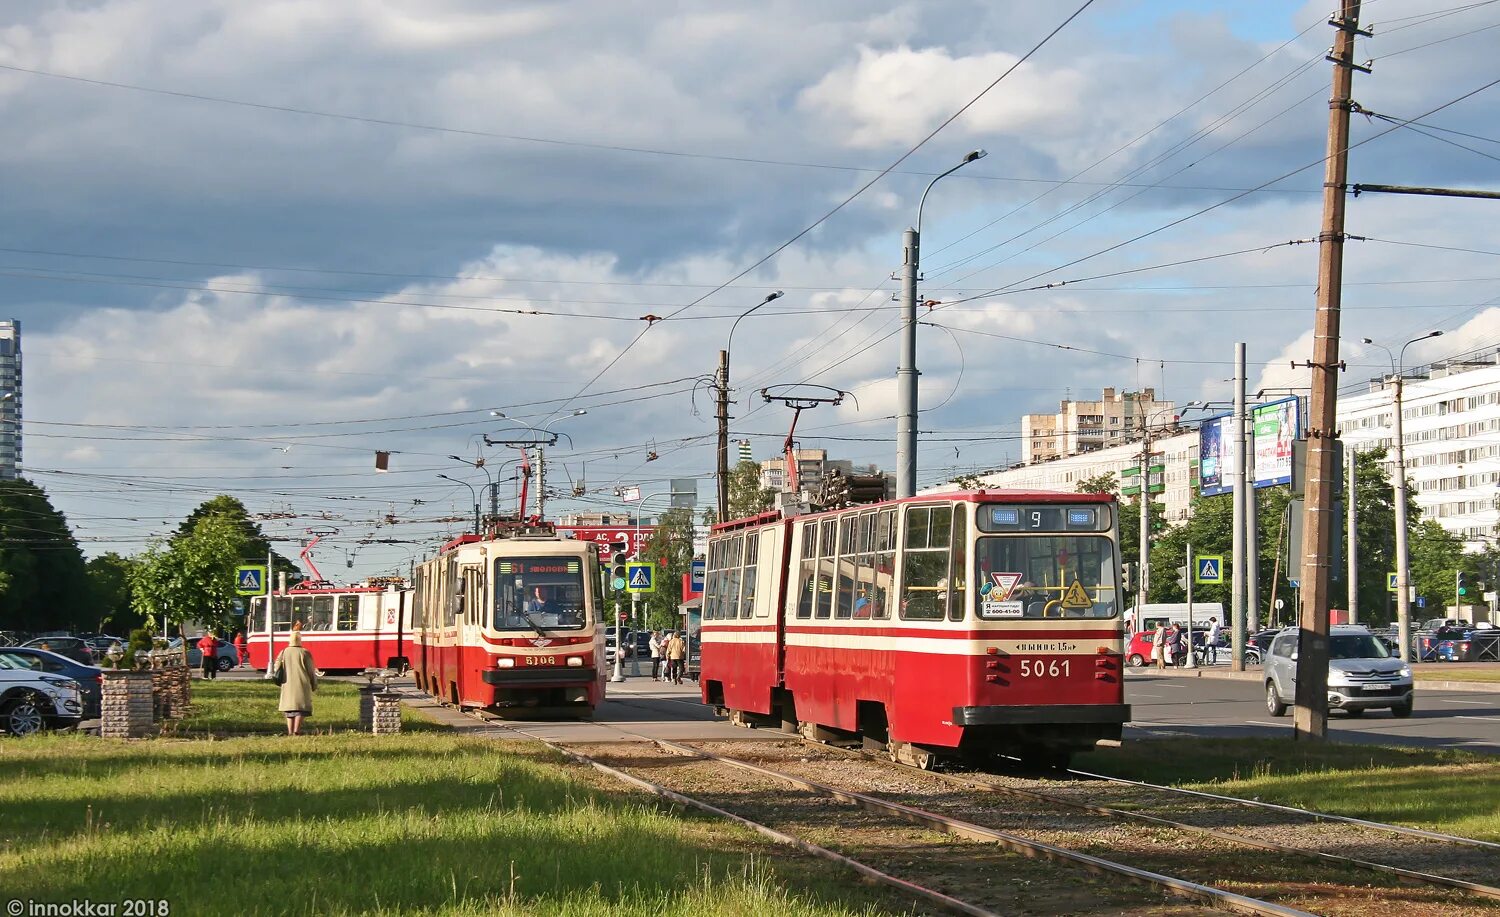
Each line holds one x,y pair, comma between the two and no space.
1312,661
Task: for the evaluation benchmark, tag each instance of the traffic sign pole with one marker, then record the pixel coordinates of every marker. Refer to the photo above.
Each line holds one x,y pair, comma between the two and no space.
1191,662
619,647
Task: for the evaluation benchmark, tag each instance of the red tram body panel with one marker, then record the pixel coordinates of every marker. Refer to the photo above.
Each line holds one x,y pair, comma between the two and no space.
510,623
982,623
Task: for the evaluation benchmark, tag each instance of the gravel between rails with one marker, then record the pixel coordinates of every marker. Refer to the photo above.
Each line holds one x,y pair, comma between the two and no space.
1320,887
981,873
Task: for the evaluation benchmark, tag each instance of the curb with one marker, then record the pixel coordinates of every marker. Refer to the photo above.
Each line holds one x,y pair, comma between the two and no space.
1478,687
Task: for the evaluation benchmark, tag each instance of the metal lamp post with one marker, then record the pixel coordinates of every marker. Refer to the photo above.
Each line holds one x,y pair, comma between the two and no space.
1403,568
489,479
906,370
723,414
472,492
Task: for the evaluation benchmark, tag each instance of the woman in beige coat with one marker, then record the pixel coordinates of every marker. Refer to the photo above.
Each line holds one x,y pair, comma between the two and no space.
298,676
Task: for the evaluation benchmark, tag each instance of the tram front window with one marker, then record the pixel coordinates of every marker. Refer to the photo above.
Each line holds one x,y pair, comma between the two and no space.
1046,576
534,593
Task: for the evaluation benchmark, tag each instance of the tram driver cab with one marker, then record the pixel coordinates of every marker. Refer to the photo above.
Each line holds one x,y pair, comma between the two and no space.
533,593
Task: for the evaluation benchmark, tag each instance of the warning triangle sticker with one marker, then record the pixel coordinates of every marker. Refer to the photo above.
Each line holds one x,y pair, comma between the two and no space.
1077,597
1005,584
640,578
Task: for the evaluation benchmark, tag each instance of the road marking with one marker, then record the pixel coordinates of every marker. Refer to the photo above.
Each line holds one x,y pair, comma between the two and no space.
1263,723
1476,703
1487,719
1133,694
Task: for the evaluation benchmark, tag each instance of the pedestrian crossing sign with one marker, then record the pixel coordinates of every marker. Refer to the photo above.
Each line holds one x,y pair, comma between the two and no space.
1390,582
640,577
1210,569
250,579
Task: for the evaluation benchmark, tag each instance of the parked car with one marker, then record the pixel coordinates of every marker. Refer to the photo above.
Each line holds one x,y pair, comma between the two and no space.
72,647
89,678
642,644
228,657
31,701
102,643
609,641
1362,674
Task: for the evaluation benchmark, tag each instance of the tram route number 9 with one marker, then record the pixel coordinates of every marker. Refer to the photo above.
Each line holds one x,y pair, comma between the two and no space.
1042,668
541,660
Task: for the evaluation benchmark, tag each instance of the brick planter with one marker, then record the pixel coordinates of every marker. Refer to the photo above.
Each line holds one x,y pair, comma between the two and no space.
127,709
170,684
379,710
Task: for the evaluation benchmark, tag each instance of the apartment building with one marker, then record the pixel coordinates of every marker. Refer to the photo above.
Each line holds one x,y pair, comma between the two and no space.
10,398
1088,426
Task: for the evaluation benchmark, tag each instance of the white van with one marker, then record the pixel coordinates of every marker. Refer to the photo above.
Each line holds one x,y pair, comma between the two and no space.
1146,617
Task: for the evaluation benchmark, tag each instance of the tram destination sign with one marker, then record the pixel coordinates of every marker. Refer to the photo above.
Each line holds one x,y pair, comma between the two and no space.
1091,517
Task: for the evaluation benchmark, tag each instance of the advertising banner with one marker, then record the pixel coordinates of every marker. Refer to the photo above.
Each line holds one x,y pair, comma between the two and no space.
602,536
1275,429
1216,455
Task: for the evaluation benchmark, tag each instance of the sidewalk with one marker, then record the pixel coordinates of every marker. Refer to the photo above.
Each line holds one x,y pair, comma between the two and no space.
1429,675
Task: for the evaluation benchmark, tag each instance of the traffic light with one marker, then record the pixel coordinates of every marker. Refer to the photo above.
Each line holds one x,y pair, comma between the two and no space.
617,571
1182,578
1461,584
1127,571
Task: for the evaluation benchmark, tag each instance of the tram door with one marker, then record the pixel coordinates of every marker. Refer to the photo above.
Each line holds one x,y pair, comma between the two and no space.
470,621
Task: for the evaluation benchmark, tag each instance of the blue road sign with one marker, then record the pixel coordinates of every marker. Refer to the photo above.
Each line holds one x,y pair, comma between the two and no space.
1294,583
1421,601
1210,569
250,579
700,571
1390,582
640,577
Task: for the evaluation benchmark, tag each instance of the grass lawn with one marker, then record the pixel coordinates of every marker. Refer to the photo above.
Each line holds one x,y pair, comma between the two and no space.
237,708
343,822
1428,788
1457,673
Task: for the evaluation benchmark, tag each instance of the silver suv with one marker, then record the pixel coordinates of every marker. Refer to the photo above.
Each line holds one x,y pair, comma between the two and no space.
1362,674
31,700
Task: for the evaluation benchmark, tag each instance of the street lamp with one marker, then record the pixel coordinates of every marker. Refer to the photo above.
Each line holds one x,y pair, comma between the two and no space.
1403,570
724,406
473,493
906,369
494,495
541,463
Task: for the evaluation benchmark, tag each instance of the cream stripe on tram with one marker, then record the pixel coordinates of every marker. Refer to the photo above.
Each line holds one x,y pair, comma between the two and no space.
941,646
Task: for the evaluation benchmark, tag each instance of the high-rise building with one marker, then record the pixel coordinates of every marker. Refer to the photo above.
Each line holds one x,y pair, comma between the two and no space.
1087,426
10,398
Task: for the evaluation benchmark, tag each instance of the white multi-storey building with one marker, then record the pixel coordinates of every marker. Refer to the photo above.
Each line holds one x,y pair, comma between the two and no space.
1451,424
10,398
1088,426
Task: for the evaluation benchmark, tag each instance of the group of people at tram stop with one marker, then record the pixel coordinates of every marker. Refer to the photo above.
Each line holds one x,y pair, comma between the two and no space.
294,671
1169,645
670,647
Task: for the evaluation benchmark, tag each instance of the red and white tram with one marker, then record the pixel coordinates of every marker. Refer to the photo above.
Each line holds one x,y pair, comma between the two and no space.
346,628
511,623
971,624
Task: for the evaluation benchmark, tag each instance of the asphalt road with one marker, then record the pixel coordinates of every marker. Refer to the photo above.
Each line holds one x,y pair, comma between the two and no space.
1176,706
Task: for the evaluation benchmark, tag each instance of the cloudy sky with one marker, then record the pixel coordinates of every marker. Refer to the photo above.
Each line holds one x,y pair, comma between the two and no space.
253,242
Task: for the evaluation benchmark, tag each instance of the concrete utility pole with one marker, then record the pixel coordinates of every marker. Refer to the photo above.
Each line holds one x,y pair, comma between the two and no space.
1403,559
1237,591
1252,547
541,482
1192,574
723,417
1311,714
906,369
1143,543
1352,549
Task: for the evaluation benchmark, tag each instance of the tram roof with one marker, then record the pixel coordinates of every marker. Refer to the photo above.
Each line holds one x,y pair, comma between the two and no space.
954,496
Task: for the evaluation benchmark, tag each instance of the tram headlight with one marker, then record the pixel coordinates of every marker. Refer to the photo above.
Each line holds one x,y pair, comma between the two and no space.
575,661
505,662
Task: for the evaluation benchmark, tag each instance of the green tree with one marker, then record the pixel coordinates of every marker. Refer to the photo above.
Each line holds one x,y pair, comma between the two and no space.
1436,556
746,496
1099,484
109,585
672,541
42,580
191,576
255,541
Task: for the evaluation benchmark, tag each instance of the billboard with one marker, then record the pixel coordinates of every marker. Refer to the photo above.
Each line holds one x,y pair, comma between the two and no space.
603,535
1216,455
1274,426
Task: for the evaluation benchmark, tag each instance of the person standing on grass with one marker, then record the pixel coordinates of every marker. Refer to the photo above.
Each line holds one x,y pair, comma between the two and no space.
298,677
208,650
655,655
676,655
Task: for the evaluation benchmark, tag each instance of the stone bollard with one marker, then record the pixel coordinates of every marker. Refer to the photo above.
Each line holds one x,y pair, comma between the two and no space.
367,707
126,710
387,718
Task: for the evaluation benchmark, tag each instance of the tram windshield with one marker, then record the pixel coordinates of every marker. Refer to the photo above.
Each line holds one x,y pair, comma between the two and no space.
1046,576
532,593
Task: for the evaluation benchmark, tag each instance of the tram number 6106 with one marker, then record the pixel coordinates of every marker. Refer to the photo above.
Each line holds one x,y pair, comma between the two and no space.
1042,668
541,660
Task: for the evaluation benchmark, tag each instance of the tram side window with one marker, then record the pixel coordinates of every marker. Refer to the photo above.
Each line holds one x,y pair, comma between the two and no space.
281,610
924,574
418,599
828,536
885,564
807,583
958,591
708,581
864,587
453,599
348,614
320,615
752,561
847,580
729,603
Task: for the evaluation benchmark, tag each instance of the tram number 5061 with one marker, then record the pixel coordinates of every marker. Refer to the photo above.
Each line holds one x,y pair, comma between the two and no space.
1043,668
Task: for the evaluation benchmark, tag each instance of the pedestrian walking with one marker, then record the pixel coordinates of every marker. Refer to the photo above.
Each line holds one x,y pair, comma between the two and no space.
1159,646
676,656
241,651
655,655
208,649
1211,645
298,676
